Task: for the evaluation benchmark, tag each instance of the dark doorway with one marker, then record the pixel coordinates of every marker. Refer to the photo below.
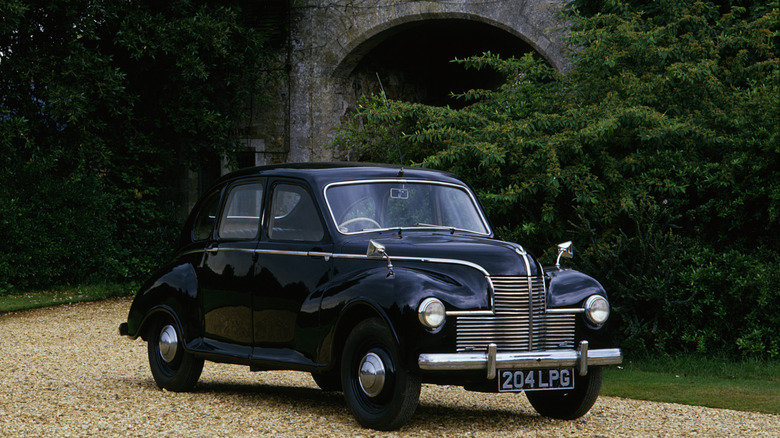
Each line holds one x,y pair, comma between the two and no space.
414,62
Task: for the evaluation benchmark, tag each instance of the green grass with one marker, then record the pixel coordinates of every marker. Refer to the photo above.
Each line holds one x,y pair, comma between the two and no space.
745,385
65,295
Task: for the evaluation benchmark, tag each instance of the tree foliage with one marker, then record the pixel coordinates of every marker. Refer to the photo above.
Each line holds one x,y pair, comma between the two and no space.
102,103
658,152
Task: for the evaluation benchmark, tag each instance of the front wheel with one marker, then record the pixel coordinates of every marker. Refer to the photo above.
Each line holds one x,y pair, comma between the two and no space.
330,381
379,392
172,368
569,404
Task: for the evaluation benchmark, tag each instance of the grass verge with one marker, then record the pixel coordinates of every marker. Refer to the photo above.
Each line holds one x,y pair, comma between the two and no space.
746,385
65,295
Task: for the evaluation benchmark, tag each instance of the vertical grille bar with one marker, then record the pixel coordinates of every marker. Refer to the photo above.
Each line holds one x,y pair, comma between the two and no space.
519,322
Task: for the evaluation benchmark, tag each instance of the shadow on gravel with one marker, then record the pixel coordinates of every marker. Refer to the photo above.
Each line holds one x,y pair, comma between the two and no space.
300,397
431,416
428,417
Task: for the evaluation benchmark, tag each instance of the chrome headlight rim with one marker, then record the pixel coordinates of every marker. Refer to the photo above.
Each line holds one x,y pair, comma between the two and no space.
431,313
597,310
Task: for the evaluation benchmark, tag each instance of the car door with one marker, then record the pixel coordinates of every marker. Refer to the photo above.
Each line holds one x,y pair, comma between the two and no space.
293,260
227,272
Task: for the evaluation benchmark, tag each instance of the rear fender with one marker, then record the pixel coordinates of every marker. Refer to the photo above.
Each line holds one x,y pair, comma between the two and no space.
174,290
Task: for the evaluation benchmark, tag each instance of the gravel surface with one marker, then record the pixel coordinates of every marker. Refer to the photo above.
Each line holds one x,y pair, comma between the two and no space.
65,372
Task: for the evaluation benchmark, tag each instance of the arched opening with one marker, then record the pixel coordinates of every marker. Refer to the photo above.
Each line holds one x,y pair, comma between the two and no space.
413,60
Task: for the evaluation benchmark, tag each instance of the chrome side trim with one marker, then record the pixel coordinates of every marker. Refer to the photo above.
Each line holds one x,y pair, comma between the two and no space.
328,255
419,259
349,256
519,360
282,252
472,265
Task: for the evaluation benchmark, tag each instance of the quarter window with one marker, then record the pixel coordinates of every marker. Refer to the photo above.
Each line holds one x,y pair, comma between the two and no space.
204,223
241,215
294,215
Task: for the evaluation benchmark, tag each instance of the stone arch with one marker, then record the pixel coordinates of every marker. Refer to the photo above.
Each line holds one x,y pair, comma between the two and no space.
349,56
328,38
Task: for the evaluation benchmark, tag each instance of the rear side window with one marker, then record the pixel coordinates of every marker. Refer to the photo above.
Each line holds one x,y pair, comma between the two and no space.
241,215
204,223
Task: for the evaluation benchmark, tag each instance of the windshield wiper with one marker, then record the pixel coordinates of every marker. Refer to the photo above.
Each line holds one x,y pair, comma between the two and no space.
422,224
437,227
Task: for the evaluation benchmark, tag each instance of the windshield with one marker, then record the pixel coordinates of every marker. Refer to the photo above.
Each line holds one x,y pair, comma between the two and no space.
368,206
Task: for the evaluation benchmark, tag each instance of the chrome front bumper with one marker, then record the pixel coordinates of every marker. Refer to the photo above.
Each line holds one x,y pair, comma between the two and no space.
491,360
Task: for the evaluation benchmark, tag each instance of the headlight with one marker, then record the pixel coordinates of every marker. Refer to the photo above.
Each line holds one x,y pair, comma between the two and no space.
431,313
597,309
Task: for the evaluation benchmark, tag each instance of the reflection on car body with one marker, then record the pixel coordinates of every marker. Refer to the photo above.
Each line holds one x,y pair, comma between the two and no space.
373,279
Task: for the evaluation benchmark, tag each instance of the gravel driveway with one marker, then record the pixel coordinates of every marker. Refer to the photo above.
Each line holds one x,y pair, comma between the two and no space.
64,371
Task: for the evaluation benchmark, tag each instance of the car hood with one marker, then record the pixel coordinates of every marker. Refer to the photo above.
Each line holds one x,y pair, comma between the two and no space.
497,257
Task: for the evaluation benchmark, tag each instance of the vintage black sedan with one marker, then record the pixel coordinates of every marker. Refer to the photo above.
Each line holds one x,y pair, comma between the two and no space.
373,279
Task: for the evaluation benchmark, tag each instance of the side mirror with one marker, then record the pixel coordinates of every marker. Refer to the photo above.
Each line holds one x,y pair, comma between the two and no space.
565,249
376,249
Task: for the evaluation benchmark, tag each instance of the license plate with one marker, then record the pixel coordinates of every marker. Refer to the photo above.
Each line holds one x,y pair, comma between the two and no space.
535,380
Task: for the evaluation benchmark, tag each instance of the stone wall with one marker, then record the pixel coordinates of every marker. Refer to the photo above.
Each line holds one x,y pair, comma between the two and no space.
318,82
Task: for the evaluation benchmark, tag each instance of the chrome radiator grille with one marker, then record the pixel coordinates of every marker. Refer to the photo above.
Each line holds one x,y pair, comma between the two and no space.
519,323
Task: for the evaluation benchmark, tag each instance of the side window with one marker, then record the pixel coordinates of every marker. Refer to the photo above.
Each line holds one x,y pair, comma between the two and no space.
241,216
204,223
294,215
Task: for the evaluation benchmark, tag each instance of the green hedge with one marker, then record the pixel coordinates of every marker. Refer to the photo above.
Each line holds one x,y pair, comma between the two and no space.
657,154
54,229
104,105
678,294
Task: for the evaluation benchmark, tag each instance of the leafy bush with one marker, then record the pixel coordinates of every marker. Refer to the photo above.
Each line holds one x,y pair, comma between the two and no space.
103,106
54,229
658,154
675,294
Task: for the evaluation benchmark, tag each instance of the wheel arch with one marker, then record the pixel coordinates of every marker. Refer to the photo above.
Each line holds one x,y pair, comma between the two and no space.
353,314
174,290
152,315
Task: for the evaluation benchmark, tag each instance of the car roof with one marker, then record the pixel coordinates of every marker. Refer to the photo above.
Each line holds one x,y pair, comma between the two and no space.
321,174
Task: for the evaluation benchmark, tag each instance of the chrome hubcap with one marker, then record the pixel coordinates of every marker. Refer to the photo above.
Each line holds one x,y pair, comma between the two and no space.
168,343
372,374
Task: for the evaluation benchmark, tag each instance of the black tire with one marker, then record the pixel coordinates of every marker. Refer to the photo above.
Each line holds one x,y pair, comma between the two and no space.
378,403
328,381
569,404
172,368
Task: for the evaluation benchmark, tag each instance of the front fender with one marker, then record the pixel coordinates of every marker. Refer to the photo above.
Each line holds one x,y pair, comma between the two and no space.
395,298
569,288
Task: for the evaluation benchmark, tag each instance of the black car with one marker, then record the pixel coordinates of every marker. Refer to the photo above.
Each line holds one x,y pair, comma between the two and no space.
374,280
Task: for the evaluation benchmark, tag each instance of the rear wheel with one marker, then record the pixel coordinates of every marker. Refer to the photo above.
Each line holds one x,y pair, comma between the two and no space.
379,392
172,368
569,404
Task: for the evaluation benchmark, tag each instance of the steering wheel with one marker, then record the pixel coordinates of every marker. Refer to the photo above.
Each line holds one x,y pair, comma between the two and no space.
345,224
